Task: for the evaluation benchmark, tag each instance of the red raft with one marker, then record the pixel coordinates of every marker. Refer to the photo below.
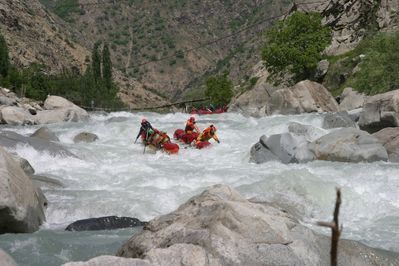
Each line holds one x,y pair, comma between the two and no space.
161,141
184,137
170,148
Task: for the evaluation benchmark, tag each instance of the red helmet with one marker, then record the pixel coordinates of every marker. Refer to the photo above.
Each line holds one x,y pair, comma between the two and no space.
192,119
143,120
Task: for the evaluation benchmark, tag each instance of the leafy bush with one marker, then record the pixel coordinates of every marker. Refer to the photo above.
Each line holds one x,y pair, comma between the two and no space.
219,89
294,46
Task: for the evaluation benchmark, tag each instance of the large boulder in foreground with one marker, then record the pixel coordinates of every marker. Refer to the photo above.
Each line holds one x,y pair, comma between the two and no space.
304,97
220,227
348,145
389,137
60,110
22,204
6,260
380,111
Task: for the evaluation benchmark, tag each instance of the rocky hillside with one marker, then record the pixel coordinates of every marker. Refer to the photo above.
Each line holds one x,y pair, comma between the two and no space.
141,32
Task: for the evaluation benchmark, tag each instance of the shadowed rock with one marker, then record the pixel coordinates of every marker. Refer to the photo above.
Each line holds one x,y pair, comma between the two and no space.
41,180
104,223
22,204
6,260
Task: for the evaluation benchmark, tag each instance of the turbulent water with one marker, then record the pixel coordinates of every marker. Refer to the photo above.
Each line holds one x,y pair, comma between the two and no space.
113,177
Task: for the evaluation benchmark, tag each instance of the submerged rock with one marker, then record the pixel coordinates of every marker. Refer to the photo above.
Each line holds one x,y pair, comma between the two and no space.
85,137
11,139
46,134
46,181
220,227
104,223
22,204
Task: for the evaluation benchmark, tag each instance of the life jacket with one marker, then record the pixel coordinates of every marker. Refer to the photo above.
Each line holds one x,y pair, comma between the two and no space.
207,135
190,127
158,138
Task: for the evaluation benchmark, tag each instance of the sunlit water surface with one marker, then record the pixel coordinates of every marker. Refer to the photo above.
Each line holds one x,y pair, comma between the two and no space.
114,177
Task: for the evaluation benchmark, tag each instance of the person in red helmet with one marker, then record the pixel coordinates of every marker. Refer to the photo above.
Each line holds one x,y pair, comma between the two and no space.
146,129
205,136
191,127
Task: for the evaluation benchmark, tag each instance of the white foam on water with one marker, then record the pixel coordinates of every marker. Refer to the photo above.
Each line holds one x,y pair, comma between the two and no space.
112,176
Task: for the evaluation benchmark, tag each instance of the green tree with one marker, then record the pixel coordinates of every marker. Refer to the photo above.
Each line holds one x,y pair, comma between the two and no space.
96,61
4,59
107,67
219,89
294,46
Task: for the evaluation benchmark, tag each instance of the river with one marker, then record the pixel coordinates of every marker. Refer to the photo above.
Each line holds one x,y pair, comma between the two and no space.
113,177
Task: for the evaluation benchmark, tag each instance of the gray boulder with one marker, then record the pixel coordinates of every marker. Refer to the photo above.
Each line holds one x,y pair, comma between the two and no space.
308,132
24,164
110,260
261,154
322,68
351,100
380,111
6,260
348,145
11,140
7,101
339,119
220,227
14,115
22,204
46,134
62,110
304,97
389,137
85,137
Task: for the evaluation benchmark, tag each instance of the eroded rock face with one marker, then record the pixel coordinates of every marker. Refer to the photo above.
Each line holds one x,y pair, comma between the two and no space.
22,204
380,111
348,145
220,227
304,97
389,137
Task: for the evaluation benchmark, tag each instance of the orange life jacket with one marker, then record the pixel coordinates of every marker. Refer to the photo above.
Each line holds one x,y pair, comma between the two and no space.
207,134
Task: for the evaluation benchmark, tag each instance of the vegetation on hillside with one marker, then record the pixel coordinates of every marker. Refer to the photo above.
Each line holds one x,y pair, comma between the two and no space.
294,46
94,86
372,67
219,89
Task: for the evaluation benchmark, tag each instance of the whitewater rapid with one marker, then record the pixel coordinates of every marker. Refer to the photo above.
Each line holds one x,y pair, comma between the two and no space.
112,176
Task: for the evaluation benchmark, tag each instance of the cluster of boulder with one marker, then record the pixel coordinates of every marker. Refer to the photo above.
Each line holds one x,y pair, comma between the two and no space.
220,227
369,126
24,111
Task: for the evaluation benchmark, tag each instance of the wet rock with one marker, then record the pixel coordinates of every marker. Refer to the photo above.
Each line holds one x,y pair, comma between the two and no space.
355,114
380,111
104,223
348,145
304,97
45,181
6,260
220,227
46,134
261,154
14,115
351,100
11,140
85,137
389,137
24,164
110,260
22,204
340,119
